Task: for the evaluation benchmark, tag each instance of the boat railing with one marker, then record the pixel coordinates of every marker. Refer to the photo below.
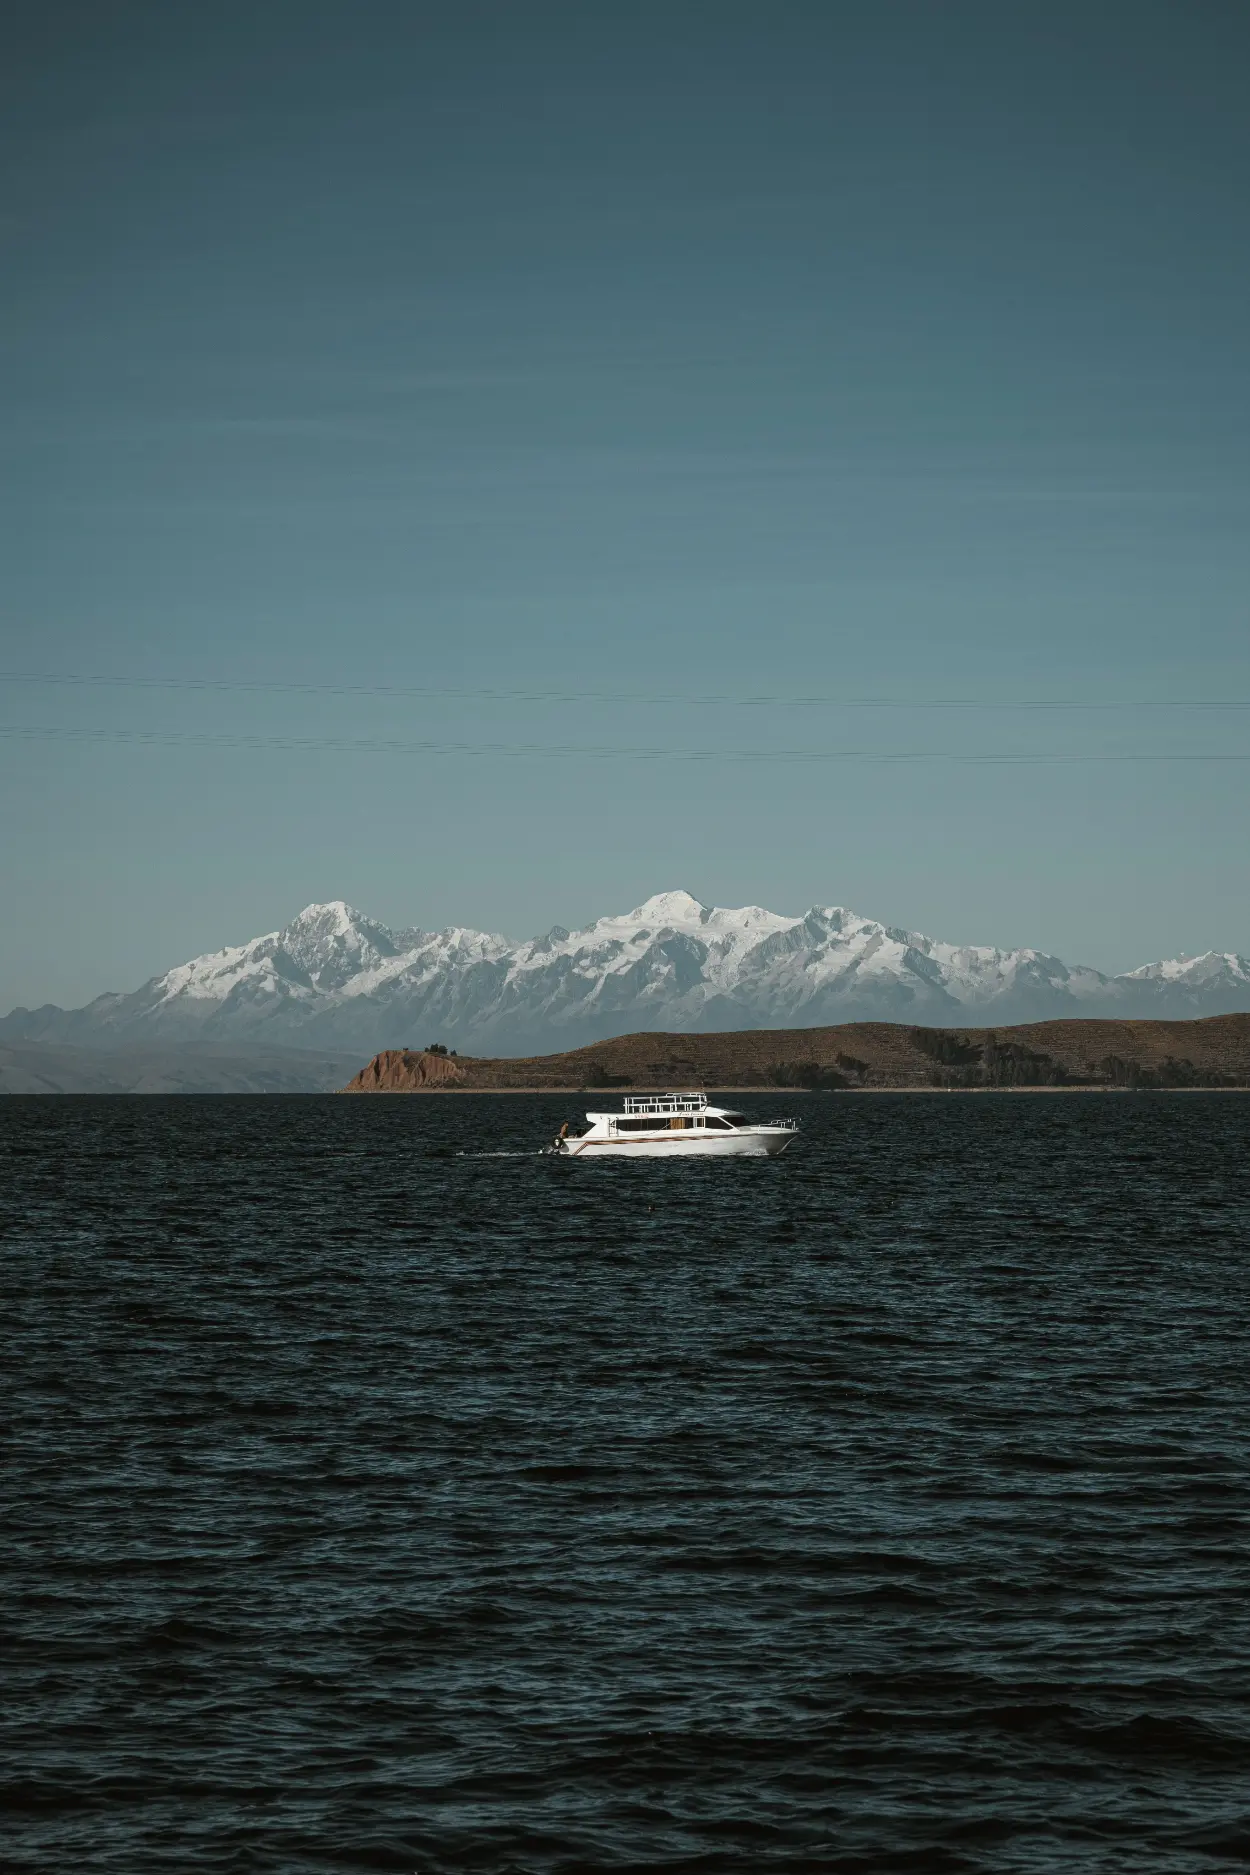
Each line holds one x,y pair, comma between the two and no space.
665,1113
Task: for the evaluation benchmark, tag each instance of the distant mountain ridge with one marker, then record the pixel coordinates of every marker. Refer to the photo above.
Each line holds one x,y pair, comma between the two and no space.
337,981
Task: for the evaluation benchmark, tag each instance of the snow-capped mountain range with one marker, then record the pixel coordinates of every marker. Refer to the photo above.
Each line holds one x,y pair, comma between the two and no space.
334,979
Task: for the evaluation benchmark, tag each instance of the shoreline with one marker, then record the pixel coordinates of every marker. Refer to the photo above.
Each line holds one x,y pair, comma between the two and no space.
1211,1054
797,1093
568,1093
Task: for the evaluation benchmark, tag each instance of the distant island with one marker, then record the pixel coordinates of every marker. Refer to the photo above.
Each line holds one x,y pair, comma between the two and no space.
1078,1053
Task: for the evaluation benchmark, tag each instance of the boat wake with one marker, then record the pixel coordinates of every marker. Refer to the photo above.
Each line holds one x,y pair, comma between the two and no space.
531,1154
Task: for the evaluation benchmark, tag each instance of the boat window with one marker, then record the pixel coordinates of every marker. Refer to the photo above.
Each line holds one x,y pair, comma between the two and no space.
737,1119
722,1126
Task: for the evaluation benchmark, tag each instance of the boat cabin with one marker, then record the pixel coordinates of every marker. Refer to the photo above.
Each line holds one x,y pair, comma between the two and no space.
674,1113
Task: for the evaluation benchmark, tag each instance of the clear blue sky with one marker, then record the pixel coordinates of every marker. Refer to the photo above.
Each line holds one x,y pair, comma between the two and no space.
625,354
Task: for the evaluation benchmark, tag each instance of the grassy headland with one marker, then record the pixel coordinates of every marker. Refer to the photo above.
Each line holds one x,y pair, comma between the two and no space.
1214,1052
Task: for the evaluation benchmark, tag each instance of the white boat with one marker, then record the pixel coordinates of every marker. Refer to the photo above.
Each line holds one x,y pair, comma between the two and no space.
674,1126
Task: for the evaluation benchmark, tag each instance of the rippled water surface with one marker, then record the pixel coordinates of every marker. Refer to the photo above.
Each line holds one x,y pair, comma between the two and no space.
374,1502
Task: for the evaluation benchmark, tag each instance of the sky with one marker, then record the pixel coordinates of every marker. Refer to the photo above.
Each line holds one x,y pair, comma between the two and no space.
492,463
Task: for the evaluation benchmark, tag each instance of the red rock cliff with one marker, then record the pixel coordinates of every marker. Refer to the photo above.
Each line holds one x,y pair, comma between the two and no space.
403,1071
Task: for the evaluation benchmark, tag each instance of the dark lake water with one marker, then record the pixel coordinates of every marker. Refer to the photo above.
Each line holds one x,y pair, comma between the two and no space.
372,1502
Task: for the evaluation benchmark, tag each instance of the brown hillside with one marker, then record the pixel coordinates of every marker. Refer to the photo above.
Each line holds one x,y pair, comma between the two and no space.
1214,1052
404,1071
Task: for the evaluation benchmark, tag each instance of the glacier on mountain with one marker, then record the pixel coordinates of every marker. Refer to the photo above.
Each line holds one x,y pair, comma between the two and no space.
334,979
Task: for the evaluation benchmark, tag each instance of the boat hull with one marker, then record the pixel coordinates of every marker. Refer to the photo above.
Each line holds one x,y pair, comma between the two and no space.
756,1142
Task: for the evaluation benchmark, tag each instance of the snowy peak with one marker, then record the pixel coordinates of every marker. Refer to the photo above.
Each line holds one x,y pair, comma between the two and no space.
681,911
333,942
333,978
337,919
669,908
1211,967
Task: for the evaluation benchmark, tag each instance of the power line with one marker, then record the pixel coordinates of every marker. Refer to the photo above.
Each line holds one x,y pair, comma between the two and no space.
386,745
282,686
